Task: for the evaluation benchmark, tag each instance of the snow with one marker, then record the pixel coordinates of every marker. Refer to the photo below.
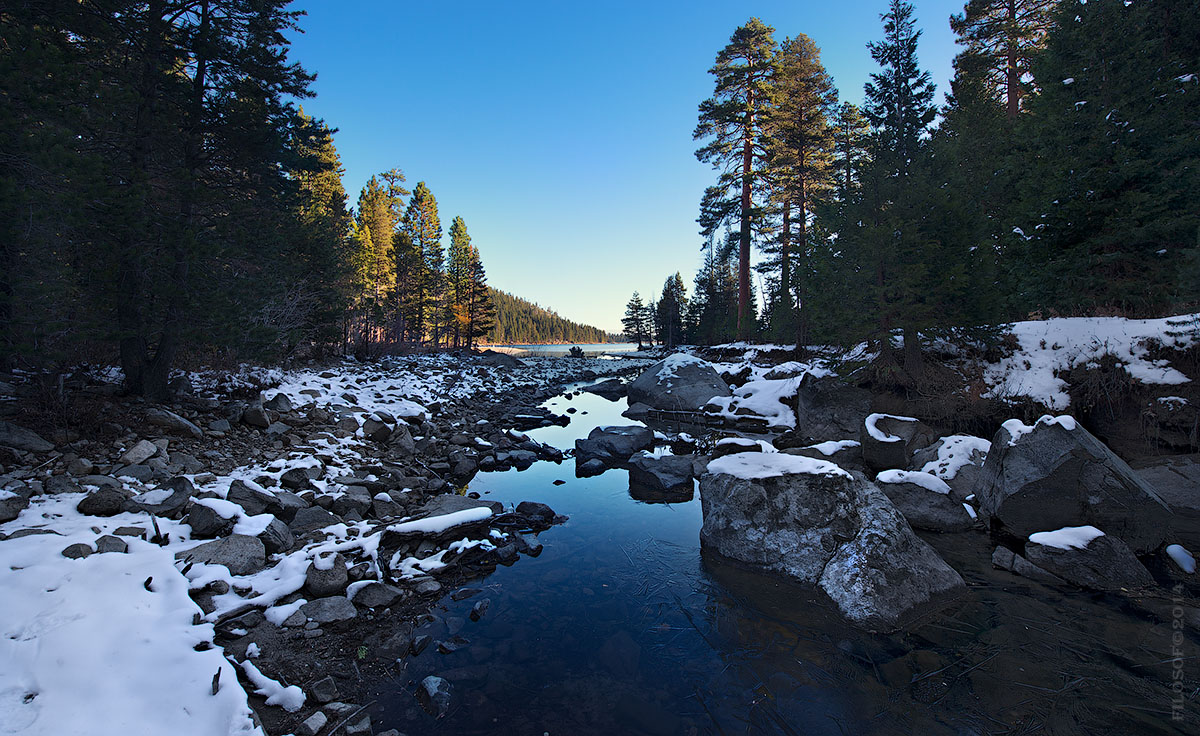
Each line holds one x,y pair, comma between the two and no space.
1182,557
833,446
439,524
1173,401
1017,429
1071,537
878,434
925,480
1052,347
290,698
253,651
87,649
756,465
970,511
673,363
767,398
954,453
278,614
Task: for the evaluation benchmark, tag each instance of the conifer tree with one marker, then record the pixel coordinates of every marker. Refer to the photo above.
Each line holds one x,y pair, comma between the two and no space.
1001,37
732,122
481,307
636,321
851,136
669,315
459,283
423,226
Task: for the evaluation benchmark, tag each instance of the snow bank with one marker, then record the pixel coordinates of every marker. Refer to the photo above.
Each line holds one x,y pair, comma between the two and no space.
439,524
1058,345
925,480
756,465
1071,537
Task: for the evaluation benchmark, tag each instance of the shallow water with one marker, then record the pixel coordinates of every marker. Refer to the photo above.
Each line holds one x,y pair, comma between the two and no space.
622,625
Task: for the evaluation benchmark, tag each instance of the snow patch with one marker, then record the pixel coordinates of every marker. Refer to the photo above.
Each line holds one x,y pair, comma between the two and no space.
927,481
1017,429
878,434
756,465
1071,537
1182,557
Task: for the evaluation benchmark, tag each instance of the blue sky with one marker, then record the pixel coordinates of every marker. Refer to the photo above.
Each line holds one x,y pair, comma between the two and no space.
561,131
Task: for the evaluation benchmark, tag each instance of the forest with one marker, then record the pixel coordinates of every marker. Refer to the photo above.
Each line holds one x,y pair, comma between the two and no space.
520,321
1059,179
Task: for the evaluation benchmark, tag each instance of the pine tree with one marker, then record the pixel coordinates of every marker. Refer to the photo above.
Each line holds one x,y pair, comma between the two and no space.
669,315
422,224
851,135
459,283
732,121
635,321
800,146
481,306
1001,37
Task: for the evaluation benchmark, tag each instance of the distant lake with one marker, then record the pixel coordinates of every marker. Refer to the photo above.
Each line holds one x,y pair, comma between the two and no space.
589,348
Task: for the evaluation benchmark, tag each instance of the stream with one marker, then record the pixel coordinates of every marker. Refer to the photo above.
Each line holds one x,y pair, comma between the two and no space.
621,625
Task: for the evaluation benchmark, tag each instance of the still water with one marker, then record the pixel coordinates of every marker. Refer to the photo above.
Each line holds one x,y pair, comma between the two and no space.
621,625
551,351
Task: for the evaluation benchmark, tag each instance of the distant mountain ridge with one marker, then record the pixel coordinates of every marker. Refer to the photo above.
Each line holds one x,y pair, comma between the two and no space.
520,321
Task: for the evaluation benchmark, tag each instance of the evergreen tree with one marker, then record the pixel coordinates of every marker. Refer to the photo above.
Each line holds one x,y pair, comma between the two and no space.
669,316
459,281
423,226
481,306
636,321
380,205
732,121
1001,37
851,135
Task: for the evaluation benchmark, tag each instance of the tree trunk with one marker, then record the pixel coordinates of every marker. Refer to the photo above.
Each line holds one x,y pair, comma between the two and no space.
914,362
1012,75
743,319
801,255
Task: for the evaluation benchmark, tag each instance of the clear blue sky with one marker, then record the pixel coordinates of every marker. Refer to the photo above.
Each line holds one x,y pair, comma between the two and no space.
561,131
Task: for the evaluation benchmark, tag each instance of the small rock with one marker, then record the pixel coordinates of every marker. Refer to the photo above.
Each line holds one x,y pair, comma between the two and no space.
60,484
359,727
279,402
435,694
313,724
537,511
80,466
324,690
329,581
377,595
207,523
241,554
480,608
329,610
104,502
277,537
77,551
109,543
172,422
428,587
139,453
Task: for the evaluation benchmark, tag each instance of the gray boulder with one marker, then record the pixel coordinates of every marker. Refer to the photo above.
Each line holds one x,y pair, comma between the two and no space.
613,445
256,416
168,501
499,360
448,503
279,402
207,523
104,502
330,578
660,473
830,409
1056,474
681,383
889,441
925,501
11,505
329,610
1103,562
377,595
1176,480
139,453
243,555
19,438
312,518
172,422
277,537
376,430
253,500
818,524
957,460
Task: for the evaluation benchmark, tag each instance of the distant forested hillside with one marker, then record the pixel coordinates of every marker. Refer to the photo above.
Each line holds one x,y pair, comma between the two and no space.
522,321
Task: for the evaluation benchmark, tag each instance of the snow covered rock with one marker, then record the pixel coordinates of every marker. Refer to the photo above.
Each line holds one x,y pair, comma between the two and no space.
11,505
497,359
925,501
207,522
819,524
168,501
326,576
957,460
763,403
830,409
682,382
660,472
1088,558
19,438
843,453
254,500
889,441
1056,474
613,445
242,554
173,423
886,575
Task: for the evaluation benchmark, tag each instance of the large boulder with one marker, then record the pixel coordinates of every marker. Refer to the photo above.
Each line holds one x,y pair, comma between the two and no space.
254,499
243,555
1089,558
957,460
925,501
172,422
682,382
819,524
11,505
1176,480
827,408
168,501
889,441
613,445
1055,474
19,438
497,359
660,472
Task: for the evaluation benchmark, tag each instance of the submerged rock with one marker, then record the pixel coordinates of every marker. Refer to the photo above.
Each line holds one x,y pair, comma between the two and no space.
662,472
613,444
1056,474
435,695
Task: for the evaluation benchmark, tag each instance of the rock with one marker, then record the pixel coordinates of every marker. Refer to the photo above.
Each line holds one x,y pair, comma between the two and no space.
612,389
528,544
81,466
312,518
360,726
1056,474
1102,562
104,502
588,468
168,501
448,503
139,453
256,416
957,460
1176,481
499,360
427,587
142,473
435,695
1006,559
354,499
312,725
241,554
480,608
664,472
330,577
57,484
376,431
377,595
887,574
613,445
536,511
830,409
254,501
889,441
680,383
172,422
102,481
206,523
295,479
109,543
818,524
77,551
220,425
925,501
279,428
277,537
279,402
324,690
11,505
401,440
331,610
19,438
